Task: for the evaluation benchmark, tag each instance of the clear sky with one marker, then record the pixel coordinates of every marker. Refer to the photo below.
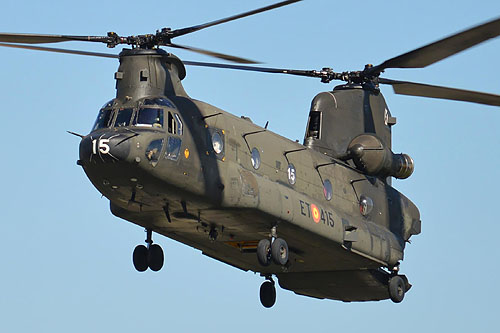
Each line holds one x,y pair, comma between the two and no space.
66,260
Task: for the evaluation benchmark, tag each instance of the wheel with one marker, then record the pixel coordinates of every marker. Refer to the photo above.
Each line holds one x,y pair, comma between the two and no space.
263,251
267,294
155,257
279,251
140,258
397,288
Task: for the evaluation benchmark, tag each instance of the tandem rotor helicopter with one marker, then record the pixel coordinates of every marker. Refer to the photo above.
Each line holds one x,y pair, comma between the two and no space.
322,216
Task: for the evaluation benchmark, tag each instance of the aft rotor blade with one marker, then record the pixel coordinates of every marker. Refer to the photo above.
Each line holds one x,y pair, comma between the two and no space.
426,90
441,49
183,31
213,54
42,39
56,50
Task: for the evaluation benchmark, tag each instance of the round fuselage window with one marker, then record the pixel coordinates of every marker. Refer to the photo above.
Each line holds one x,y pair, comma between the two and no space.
255,158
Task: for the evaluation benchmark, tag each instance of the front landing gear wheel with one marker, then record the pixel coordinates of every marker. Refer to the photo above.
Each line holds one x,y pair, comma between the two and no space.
279,251
264,251
155,257
267,294
140,258
397,288
150,256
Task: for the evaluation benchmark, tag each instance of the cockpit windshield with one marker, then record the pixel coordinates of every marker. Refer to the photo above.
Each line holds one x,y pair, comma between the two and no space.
147,116
108,104
102,119
157,112
159,101
123,118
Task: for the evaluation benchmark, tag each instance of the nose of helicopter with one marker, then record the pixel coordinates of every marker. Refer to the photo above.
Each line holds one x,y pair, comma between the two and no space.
105,147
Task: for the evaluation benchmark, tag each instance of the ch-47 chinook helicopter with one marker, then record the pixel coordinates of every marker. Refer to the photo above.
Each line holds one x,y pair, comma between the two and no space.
321,216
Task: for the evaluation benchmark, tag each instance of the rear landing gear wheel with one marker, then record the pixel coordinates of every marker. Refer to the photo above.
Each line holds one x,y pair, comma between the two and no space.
264,252
140,258
267,294
155,257
397,288
279,251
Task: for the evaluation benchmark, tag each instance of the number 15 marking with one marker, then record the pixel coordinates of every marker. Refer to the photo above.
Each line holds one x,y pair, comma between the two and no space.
101,144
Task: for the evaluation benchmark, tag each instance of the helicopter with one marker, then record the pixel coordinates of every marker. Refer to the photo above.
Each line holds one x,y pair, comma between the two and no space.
211,150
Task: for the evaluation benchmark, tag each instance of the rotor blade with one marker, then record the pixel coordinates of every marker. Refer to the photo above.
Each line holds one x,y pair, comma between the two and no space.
426,90
41,39
213,54
441,49
183,31
51,49
309,73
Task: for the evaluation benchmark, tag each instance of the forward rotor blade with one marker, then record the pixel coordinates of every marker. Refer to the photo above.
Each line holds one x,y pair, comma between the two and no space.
213,54
441,49
309,73
51,49
42,39
426,90
183,31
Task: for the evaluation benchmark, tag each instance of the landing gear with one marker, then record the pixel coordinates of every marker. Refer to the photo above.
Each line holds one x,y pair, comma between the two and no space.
212,234
264,252
268,293
397,288
279,250
155,257
275,249
140,258
150,256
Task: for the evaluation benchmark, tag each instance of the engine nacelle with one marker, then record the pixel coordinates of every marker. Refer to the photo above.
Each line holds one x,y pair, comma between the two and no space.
372,157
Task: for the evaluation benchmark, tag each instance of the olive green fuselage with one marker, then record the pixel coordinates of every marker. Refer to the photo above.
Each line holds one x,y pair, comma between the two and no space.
200,172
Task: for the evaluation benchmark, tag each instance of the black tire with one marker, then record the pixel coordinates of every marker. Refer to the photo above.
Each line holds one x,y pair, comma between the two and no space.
155,257
267,294
140,258
397,288
279,251
263,251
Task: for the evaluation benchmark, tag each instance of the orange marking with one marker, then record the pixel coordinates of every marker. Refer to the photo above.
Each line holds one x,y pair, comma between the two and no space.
315,213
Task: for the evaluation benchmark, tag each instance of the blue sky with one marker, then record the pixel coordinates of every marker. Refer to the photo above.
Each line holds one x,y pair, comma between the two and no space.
66,261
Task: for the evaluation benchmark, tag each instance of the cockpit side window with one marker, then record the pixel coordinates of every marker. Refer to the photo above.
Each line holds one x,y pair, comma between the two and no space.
172,124
147,116
179,123
123,118
102,119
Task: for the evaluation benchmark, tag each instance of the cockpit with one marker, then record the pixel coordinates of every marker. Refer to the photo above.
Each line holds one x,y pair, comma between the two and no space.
150,112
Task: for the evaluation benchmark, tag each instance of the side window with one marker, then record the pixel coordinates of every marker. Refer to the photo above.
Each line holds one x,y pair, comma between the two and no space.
179,123
153,150
255,158
173,148
328,189
172,124
216,146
